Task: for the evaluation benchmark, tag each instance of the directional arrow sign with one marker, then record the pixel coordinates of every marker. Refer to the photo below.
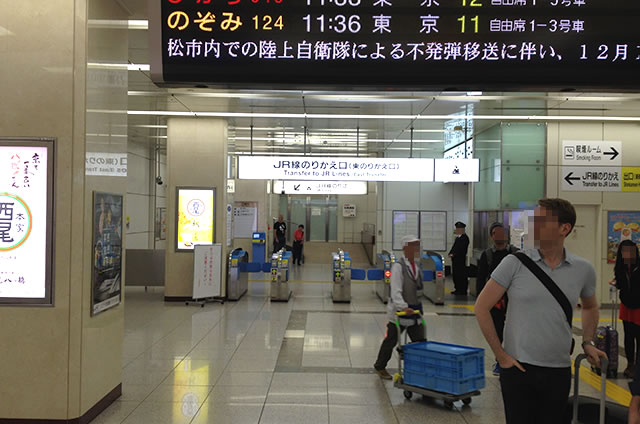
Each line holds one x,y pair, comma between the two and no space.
591,178
570,178
592,153
613,153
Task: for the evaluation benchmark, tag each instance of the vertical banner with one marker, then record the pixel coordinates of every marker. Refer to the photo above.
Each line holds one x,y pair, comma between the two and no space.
26,221
196,217
107,251
621,226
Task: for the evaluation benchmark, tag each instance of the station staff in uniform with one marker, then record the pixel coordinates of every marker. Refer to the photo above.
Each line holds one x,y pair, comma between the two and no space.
406,281
458,255
536,359
279,234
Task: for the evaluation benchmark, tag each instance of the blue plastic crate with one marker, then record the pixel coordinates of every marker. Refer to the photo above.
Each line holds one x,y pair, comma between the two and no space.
442,384
444,360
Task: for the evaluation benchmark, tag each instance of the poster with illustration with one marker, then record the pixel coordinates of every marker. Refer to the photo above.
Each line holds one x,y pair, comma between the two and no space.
621,226
26,214
196,217
107,251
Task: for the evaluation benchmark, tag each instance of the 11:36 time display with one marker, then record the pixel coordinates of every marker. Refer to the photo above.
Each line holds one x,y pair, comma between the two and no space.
338,23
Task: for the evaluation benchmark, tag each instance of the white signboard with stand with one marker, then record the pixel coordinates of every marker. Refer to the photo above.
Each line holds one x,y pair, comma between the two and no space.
207,271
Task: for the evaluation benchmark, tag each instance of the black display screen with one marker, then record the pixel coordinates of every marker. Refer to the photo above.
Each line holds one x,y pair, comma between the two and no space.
401,44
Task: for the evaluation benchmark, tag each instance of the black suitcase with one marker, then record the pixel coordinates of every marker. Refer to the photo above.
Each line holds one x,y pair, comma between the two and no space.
607,338
587,410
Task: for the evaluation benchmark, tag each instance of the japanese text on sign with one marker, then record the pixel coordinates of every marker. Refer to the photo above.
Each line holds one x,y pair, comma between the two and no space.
214,41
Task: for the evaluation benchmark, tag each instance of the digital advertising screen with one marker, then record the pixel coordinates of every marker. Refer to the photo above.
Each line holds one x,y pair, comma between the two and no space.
196,217
26,221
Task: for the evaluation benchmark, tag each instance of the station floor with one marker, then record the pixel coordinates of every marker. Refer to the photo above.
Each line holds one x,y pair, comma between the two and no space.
305,361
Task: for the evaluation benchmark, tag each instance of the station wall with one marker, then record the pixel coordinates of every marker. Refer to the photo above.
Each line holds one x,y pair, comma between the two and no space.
590,237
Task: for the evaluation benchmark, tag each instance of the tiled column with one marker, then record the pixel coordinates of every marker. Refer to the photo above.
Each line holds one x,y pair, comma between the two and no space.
196,157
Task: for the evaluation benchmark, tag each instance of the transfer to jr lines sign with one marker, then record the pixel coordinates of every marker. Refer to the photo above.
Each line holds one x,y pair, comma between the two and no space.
340,169
315,168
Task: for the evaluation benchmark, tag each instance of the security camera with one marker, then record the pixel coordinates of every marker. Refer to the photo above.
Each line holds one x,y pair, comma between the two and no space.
159,180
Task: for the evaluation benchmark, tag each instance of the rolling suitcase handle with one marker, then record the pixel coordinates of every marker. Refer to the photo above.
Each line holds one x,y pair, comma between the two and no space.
613,294
604,363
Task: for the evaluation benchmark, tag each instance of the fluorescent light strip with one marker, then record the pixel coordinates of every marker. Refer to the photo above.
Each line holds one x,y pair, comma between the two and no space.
120,66
119,24
387,117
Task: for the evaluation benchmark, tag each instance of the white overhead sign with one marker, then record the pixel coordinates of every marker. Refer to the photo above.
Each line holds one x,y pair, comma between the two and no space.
592,153
25,221
106,164
595,178
342,169
457,170
320,187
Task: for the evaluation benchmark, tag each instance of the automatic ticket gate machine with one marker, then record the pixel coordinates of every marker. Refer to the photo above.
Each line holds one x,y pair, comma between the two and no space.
383,283
258,247
432,265
237,275
280,290
341,277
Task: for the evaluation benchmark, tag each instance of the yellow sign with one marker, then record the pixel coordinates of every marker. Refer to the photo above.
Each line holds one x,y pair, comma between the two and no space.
631,178
195,217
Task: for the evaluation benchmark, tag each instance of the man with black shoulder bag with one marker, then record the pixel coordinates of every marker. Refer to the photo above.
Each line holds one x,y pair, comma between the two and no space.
543,286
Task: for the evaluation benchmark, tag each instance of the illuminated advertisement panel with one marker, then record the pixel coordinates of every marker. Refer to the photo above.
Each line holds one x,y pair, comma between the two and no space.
195,217
26,221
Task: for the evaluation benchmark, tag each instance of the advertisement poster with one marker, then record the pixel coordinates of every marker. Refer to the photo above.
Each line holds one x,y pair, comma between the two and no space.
107,251
196,216
26,199
621,226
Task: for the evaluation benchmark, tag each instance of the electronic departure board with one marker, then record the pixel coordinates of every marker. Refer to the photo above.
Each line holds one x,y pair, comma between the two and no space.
405,44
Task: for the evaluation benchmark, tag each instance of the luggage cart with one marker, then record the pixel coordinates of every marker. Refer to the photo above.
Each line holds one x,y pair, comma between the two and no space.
409,390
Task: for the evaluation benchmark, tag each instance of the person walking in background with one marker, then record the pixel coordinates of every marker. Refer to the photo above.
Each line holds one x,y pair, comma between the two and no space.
279,234
458,255
298,244
489,261
627,280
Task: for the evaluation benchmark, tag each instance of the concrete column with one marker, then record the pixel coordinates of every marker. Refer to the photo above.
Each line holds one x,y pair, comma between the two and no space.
59,363
196,157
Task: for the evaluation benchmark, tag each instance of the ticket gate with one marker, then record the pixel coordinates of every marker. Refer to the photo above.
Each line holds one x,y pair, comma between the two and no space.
383,283
341,277
237,275
432,265
280,290
258,247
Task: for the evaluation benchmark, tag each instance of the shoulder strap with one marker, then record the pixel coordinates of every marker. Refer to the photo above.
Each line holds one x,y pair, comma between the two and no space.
489,253
546,281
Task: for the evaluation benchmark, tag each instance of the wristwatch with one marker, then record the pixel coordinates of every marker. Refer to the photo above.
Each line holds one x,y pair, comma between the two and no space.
588,343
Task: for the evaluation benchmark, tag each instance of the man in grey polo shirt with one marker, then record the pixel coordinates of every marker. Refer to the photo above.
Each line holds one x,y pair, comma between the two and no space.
535,361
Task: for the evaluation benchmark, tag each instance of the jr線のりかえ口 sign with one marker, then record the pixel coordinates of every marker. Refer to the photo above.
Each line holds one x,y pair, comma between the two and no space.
25,221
